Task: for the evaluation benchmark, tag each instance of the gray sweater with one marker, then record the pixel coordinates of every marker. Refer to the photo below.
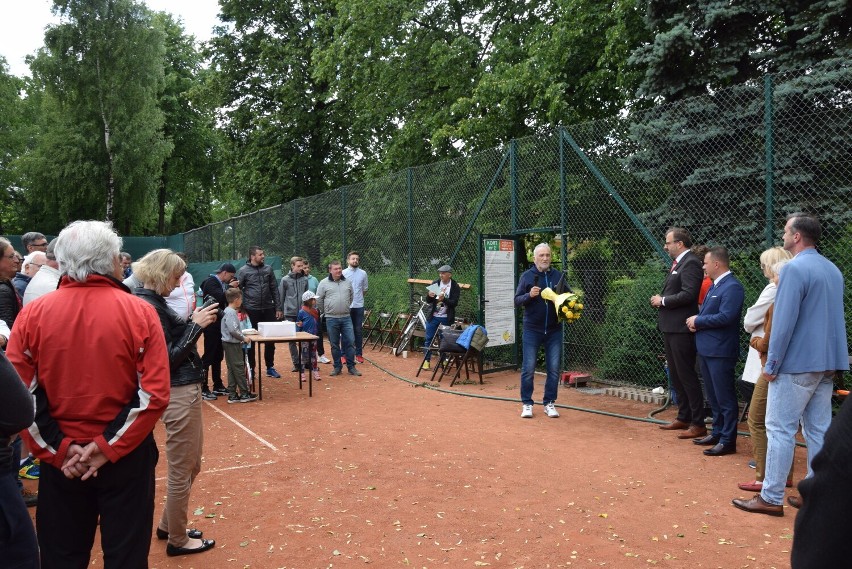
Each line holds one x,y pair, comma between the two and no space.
334,297
231,327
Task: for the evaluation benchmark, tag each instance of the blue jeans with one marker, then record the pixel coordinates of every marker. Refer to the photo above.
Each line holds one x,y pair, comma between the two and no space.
431,328
794,396
532,341
357,316
340,329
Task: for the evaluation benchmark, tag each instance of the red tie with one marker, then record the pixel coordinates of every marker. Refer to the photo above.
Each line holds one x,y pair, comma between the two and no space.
674,264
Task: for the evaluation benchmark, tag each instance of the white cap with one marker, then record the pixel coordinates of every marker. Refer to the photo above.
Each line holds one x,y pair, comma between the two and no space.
307,296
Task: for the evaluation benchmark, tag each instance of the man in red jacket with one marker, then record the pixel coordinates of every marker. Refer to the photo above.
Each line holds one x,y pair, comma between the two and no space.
94,358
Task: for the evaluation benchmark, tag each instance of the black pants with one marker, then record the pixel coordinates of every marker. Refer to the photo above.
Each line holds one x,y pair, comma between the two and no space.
258,316
121,496
17,537
213,355
680,355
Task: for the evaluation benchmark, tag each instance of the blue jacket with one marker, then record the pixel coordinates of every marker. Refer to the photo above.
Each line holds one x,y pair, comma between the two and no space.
718,321
539,314
808,328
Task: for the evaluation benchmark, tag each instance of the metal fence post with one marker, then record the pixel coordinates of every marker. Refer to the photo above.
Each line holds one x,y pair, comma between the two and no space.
409,184
343,225
513,181
769,159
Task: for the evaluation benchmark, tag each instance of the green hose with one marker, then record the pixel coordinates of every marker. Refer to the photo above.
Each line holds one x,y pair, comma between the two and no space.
648,419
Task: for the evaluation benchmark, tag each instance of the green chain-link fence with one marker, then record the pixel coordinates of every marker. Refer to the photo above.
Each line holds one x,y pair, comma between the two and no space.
729,167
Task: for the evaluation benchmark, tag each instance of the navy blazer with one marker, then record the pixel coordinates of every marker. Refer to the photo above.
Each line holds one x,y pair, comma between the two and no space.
718,322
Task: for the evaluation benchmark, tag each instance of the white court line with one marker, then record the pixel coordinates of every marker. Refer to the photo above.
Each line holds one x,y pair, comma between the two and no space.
217,470
243,427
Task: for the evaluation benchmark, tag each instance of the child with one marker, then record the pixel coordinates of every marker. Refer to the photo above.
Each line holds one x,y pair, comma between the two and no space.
231,339
307,321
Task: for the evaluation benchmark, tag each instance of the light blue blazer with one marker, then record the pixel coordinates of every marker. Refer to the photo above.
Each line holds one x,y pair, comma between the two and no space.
808,328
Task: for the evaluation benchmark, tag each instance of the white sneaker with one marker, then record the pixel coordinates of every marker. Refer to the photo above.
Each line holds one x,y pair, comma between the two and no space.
324,360
526,412
550,410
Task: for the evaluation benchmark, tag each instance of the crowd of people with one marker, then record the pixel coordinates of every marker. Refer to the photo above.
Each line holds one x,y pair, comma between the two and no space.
798,344
88,436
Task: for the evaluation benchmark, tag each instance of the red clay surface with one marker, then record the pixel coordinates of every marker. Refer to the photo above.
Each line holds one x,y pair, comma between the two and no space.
374,471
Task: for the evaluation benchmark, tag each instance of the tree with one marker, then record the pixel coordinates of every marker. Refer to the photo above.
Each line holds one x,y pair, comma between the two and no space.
13,119
101,147
188,180
709,151
285,133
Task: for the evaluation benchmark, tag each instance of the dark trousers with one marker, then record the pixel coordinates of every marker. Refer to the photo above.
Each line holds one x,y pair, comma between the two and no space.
18,547
121,497
256,317
721,391
680,355
321,334
357,315
213,355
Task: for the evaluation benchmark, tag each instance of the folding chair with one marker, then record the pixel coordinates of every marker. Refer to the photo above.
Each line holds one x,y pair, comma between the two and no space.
451,354
366,327
381,322
394,330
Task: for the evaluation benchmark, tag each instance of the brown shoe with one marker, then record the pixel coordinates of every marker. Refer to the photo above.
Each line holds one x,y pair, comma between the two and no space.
675,425
758,505
693,432
794,501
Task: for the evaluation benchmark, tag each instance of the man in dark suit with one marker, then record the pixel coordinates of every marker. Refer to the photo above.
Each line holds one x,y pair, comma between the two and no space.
717,338
679,301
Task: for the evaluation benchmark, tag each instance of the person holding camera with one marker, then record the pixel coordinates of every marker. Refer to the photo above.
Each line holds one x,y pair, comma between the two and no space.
215,287
161,271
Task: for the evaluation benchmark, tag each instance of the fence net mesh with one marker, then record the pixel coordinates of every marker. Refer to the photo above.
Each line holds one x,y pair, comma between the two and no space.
728,167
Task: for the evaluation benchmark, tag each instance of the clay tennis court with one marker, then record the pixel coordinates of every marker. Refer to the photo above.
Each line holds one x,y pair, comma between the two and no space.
374,471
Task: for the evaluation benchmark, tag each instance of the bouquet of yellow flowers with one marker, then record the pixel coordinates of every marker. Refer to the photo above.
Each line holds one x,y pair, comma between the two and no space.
568,305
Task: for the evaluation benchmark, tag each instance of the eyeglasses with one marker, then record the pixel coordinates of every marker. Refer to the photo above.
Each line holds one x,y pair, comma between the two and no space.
37,264
39,244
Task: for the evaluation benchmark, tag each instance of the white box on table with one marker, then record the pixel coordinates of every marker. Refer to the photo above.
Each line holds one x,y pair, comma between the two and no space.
278,329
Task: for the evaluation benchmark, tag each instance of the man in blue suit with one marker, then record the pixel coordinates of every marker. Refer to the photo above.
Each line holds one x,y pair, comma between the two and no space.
806,346
717,339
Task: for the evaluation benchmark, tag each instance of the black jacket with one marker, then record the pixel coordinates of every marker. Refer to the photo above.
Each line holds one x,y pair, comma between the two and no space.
260,290
451,300
680,294
16,412
9,303
212,286
181,336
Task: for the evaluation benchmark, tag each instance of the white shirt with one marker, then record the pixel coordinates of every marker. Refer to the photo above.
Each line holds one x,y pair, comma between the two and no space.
182,298
43,282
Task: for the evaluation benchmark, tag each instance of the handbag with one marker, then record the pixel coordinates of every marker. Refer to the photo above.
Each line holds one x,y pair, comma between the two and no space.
448,338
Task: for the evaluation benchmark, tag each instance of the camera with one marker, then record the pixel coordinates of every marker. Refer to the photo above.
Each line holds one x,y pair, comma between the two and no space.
209,301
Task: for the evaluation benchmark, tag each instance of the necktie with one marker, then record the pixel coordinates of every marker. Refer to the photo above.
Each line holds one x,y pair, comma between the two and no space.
674,264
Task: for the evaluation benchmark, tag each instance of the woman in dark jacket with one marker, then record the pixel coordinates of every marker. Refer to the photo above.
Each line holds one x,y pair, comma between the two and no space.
160,271
17,536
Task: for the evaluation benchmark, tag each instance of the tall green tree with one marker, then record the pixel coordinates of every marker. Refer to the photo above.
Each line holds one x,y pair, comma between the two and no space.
286,135
431,80
101,145
709,151
13,118
187,184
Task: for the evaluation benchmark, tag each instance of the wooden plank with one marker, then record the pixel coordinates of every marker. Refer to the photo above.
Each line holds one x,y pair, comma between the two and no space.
427,282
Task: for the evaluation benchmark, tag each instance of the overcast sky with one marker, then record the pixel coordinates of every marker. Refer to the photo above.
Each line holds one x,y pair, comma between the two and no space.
22,24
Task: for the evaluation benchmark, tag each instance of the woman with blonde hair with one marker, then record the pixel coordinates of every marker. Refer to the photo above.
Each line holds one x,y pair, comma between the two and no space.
160,271
758,321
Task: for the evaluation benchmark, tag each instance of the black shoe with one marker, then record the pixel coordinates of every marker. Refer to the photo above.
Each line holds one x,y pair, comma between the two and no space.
191,533
208,396
220,390
721,449
708,441
173,551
